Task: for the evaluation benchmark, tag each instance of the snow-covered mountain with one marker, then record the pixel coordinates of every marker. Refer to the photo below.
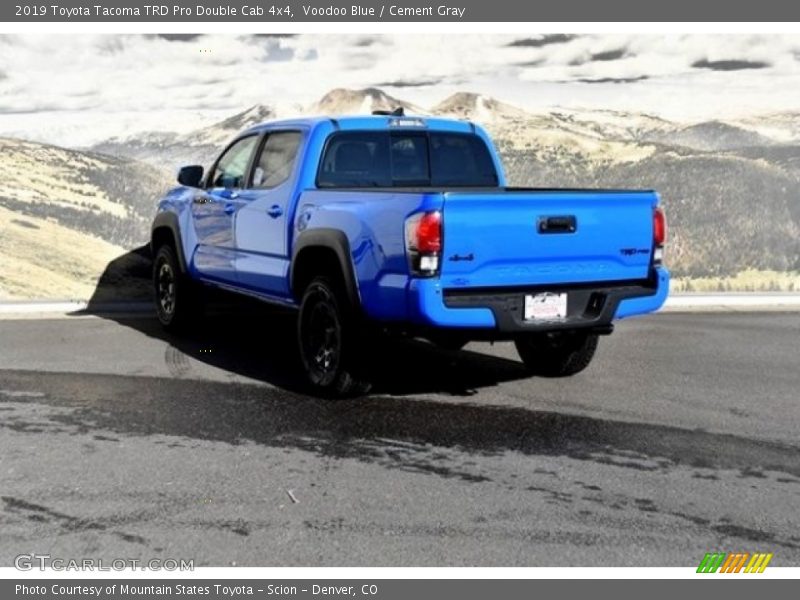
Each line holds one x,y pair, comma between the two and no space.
341,101
169,151
609,124
600,135
219,133
710,136
477,107
784,128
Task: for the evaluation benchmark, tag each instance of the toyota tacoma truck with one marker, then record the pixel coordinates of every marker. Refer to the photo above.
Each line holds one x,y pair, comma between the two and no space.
392,222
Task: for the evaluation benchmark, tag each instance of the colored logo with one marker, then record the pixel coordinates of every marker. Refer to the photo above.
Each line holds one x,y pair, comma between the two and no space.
734,562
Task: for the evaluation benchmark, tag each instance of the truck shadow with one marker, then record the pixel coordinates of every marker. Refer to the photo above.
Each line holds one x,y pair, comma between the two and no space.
415,434
257,341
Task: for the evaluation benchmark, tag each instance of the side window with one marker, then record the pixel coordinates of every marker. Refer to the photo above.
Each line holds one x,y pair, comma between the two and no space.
232,165
274,165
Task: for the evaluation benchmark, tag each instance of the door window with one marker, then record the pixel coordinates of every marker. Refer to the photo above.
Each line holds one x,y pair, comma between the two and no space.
276,161
231,167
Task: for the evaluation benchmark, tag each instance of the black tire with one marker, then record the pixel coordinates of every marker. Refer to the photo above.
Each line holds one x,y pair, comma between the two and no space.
330,340
178,300
449,343
559,354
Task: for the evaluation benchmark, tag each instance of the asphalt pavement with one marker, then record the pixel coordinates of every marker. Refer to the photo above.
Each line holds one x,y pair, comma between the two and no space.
118,441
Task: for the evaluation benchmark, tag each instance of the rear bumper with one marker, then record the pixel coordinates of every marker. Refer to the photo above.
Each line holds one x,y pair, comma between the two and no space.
589,305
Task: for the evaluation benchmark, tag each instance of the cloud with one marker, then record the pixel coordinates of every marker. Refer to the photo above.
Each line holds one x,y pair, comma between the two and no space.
277,52
360,60
179,37
367,41
275,48
180,78
613,79
609,55
13,109
729,65
408,83
191,79
111,45
541,41
531,63
604,56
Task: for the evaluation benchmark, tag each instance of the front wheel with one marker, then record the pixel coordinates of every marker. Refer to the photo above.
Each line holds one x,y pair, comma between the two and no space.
177,299
330,344
558,354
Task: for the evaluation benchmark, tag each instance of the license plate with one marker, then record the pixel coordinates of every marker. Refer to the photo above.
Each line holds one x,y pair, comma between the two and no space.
545,306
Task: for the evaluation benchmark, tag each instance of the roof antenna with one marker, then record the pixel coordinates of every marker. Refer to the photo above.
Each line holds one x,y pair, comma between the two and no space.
397,112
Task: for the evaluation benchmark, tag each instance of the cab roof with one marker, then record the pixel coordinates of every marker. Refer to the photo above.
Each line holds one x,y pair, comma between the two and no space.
370,122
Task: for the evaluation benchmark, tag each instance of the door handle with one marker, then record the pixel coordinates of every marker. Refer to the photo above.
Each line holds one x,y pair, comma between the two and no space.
230,209
559,224
275,211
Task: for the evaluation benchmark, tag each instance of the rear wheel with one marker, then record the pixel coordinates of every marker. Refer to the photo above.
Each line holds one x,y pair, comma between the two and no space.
177,298
331,345
558,354
450,343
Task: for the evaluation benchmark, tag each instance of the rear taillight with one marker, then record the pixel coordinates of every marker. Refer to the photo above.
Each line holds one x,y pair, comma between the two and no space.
424,242
659,234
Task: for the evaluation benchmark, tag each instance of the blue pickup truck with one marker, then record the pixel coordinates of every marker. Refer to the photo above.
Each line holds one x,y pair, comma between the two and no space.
405,223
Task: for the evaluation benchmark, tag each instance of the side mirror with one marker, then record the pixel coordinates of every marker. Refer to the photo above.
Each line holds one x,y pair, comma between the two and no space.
230,181
190,176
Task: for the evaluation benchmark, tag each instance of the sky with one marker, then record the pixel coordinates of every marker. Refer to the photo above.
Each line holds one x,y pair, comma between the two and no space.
76,90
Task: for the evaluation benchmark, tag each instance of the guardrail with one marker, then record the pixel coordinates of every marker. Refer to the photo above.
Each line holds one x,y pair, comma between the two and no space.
685,302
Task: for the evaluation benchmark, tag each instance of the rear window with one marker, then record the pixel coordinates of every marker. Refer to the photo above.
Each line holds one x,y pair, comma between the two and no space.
406,159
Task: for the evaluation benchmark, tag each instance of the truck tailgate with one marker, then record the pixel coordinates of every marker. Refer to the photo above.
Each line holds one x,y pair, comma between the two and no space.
540,237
